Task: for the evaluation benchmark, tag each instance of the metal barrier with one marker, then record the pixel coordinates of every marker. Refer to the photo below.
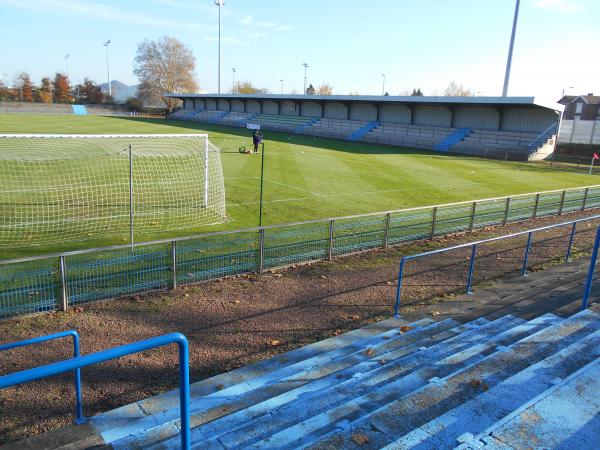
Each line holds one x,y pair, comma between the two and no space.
590,275
63,280
473,246
38,340
78,362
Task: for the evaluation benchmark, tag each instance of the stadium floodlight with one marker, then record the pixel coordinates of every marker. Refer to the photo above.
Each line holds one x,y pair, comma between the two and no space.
106,44
233,70
383,85
67,56
564,89
219,3
72,188
510,49
305,65
281,87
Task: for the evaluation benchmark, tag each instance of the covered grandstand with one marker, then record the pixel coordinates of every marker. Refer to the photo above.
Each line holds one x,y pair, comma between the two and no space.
498,127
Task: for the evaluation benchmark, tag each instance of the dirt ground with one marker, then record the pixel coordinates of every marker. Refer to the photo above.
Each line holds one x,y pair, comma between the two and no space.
239,320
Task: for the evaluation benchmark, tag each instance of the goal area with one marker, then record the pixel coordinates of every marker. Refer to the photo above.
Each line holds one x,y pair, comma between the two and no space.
56,189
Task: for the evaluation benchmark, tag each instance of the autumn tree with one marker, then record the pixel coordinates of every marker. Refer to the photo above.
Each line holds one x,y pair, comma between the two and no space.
90,92
245,87
457,90
24,86
62,89
164,65
3,92
325,89
44,93
310,90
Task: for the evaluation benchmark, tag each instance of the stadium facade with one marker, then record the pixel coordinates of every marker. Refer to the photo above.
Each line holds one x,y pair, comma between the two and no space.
506,127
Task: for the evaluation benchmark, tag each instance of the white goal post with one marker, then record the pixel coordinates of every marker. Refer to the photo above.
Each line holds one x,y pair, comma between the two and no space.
59,188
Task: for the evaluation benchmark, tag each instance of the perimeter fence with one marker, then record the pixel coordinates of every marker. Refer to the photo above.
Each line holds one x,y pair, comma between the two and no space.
63,280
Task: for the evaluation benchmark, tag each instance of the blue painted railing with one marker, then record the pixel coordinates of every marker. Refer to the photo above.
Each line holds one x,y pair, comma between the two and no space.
473,246
543,137
590,276
38,340
78,362
357,134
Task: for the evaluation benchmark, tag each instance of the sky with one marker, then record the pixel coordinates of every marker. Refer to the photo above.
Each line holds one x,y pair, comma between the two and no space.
349,44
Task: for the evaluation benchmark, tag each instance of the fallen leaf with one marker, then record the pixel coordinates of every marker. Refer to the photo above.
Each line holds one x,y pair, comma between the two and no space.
369,352
275,343
435,313
405,328
484,386
220,387
382,361
360,438
337,332
475,383
386,337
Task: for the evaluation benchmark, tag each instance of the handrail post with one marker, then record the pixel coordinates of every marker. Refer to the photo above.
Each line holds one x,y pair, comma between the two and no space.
562,202
585,196
433,218
174,264
526,257
331,238
472,223
471,268
64,294
535,206
590,276
506,211
399,288
386,231
261,250
570,242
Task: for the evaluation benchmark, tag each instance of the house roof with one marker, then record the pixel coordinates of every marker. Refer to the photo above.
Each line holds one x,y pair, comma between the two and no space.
589,99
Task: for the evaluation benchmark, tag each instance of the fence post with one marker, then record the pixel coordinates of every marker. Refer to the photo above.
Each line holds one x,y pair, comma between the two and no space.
399,288
585,196
64,295
526,257
590,276
535,207
562,202
471,267
386,231
174,264
433,217
506,211
261,250
331,238
472,223
570,242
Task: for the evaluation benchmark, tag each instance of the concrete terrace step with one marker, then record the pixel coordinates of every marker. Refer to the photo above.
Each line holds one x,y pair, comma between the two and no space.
375,394
413,411
155,411
303,378
359,365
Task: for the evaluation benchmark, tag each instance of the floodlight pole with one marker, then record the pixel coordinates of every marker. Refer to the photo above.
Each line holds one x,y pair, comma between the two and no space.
305,67
67,56
219,3
383,86
510,50
233,70
262,172
281,87
131,197
106,44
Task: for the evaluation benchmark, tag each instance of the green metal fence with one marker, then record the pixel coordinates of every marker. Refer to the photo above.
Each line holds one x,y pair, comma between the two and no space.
59,281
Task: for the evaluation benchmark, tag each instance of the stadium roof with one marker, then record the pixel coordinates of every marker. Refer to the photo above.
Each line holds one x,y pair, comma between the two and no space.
515,101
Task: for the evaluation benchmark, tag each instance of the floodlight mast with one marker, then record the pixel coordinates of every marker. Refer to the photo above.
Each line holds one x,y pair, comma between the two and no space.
383,85
219,3
67,56
281,87
233,70
510,50
106,44
305,65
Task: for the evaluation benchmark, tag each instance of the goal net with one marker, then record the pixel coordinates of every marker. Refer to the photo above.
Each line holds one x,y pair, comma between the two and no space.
64,188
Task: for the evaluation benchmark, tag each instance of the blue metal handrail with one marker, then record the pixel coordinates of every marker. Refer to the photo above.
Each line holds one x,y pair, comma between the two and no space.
543,136
474,245
590,275
38,340
49,370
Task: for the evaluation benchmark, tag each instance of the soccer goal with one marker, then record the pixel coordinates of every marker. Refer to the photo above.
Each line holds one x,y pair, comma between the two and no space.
65,188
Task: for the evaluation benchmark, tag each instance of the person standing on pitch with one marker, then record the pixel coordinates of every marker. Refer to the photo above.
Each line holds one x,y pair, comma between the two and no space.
256,140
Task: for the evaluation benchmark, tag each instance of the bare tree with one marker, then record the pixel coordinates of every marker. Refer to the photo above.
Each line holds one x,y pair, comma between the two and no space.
164,66
457,90
325,89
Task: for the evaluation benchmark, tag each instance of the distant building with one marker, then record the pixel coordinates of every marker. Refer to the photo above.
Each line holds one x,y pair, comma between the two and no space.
581,107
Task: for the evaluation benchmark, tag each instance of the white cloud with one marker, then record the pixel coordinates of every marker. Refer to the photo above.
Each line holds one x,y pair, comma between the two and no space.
558,5
248,20
271,26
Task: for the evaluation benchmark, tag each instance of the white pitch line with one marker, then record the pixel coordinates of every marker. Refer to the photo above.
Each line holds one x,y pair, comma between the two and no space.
316,194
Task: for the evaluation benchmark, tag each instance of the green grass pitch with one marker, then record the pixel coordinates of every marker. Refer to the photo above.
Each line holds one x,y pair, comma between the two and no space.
310,178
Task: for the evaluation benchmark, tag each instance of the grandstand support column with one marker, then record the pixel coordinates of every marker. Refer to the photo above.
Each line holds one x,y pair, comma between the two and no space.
64,295
131,198
433,219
